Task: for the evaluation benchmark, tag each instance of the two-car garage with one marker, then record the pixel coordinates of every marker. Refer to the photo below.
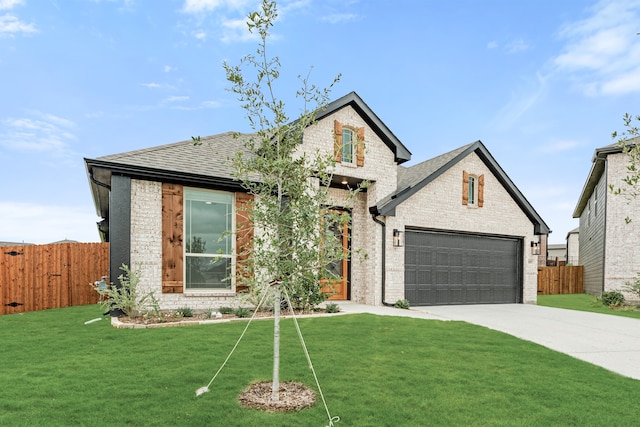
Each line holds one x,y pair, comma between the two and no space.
443,267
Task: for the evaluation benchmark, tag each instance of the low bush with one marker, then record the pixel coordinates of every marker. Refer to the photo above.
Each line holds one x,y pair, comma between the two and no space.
242,312
402,303
332,307
227,310
185,312
612,299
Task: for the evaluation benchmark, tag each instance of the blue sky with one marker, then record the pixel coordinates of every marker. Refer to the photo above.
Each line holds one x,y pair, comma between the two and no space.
541,83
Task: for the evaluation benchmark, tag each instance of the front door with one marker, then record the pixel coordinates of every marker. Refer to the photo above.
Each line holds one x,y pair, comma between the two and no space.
339,286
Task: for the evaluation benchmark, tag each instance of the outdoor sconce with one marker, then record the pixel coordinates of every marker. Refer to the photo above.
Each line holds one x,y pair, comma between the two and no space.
535,248
398,241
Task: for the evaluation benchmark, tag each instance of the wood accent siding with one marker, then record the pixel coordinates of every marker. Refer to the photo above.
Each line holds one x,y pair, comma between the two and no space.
40,277
244,239
172,238
592,235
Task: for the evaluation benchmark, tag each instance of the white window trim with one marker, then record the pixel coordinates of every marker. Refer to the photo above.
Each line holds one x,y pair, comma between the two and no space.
472,178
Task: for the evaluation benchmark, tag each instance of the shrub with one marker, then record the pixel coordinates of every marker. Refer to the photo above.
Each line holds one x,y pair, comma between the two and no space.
242,312
226,310
612,299
332,307
185,312
125,297
402,303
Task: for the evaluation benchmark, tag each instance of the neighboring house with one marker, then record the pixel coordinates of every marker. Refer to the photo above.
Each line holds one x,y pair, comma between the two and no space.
609,248
450,230
573,247
556,254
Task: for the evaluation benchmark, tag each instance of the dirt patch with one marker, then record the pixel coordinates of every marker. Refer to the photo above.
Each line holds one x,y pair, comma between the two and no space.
293,396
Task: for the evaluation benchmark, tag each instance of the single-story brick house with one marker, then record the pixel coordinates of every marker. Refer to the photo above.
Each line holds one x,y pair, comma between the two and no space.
608,245
450,230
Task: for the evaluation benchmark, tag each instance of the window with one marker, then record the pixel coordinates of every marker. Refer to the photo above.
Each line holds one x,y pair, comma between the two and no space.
472,190
471,193
347,146
208,242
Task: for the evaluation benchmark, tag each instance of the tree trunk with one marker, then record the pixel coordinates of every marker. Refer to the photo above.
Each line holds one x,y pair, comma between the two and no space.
275,390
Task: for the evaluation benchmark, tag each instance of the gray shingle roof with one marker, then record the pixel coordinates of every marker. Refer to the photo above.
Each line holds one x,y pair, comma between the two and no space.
211,158
410,176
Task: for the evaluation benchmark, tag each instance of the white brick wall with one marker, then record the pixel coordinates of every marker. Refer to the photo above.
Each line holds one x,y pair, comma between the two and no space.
438,205
622,247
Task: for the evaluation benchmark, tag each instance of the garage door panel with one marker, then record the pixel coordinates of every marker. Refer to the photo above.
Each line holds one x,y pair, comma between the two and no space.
450,268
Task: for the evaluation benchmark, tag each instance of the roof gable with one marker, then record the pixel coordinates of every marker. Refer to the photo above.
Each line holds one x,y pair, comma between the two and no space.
598,162
401,153
413,179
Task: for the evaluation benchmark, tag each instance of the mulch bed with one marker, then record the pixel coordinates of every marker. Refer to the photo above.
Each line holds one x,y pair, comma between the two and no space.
293,396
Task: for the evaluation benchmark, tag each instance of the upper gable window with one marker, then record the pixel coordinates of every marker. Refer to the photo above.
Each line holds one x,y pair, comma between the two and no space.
348,144
472,190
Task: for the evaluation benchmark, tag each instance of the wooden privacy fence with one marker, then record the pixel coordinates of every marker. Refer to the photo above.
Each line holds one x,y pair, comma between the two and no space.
39,277
560,280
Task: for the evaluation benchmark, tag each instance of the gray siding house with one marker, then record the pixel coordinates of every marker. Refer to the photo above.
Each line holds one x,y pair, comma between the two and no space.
450,230
609,248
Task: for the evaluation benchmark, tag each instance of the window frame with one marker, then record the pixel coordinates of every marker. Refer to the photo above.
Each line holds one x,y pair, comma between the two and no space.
351,144
231,212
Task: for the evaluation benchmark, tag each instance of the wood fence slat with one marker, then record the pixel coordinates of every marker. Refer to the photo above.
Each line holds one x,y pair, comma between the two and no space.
560,280
50,276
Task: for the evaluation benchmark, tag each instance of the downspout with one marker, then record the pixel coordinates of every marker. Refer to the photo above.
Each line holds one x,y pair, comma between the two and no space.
374,217
96,182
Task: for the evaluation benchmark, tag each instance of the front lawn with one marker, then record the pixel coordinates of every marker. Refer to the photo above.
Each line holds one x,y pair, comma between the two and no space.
374,370
585,302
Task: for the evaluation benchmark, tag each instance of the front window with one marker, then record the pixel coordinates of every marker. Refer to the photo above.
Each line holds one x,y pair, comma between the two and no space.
347,146
208,239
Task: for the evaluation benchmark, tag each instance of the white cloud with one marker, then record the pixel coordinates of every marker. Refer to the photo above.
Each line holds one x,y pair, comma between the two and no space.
177,99
521,101
9,4
10,25
237,30
602,51
41,133
168,68
40,223
200,6
340,18
517,46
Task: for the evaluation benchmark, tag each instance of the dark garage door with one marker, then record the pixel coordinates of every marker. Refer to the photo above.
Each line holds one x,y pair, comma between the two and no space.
452,268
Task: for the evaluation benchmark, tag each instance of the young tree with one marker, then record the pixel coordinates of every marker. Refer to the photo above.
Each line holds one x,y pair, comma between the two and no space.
629,141
292,242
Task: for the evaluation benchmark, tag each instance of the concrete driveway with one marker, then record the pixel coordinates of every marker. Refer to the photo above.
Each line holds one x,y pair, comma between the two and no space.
612,342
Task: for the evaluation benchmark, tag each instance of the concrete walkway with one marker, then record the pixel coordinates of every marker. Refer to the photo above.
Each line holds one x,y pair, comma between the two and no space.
612,342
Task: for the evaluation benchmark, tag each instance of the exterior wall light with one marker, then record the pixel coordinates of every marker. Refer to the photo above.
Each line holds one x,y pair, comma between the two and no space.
398,238
535,248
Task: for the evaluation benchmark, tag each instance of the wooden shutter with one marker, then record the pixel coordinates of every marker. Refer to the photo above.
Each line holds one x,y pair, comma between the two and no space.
465,188
480,191
244,239
360,147
337,141
172,236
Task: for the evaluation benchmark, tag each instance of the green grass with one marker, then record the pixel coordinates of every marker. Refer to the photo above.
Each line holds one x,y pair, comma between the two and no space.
374,370
584,302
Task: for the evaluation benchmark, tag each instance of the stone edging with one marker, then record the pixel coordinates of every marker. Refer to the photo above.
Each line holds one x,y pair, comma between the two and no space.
117,323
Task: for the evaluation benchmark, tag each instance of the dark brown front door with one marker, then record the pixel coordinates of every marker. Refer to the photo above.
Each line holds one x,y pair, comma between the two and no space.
339,287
